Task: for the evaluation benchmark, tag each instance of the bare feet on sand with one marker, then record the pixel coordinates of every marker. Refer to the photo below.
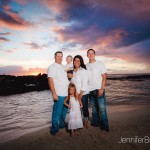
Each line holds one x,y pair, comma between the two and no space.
59,133
86,124
72,133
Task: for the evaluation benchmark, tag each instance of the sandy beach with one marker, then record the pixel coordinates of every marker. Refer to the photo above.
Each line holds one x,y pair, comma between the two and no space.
126,121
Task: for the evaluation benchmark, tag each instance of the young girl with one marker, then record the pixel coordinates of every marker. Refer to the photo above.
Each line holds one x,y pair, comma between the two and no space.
75,119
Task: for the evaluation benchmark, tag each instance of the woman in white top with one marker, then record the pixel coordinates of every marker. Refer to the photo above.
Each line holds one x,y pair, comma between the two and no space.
80,79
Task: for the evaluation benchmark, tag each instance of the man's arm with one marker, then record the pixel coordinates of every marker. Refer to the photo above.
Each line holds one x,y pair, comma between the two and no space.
65,102
101,90
52,88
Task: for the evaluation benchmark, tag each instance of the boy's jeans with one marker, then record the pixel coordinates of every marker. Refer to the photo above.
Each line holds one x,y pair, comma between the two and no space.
99,114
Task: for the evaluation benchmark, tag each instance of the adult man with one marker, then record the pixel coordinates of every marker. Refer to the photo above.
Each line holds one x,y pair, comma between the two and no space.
58,83
97,81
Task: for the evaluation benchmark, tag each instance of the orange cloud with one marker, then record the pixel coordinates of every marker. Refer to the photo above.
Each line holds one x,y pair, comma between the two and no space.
57,6
5,7
101,40
19,70
34,71
114,37
12,20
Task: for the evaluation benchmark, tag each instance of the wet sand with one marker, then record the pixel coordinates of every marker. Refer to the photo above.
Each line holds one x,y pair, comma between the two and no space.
126,121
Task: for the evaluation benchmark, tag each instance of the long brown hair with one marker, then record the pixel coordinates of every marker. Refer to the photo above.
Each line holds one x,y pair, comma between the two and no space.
81,61
71,85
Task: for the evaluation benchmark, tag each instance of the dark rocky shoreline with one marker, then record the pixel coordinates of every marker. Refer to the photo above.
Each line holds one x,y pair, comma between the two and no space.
21,84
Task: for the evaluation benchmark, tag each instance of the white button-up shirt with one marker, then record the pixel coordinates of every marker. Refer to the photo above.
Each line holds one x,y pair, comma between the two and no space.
57,72
80,79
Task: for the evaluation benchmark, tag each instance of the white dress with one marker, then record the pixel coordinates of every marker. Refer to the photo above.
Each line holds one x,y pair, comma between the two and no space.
75,119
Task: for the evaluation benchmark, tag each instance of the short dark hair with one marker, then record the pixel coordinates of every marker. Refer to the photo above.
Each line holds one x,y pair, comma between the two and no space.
58,52
91,50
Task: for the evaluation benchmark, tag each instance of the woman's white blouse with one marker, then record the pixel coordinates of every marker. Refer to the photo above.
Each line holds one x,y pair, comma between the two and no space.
80,79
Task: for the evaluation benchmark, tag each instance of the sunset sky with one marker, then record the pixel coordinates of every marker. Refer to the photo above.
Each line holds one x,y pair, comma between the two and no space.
31,31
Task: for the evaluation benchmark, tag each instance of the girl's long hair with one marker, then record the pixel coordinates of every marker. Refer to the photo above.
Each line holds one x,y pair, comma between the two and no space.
81,61
71,85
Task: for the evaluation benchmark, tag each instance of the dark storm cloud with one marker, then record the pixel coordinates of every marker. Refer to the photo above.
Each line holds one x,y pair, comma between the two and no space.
36,46
119,29
3,39
4,33
104,17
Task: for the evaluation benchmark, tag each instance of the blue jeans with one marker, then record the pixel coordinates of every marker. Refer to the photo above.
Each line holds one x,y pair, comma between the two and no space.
58,115
99,114
85,107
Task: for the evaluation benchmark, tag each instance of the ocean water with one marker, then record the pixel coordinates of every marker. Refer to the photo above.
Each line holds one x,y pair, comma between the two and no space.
128,92
24,113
